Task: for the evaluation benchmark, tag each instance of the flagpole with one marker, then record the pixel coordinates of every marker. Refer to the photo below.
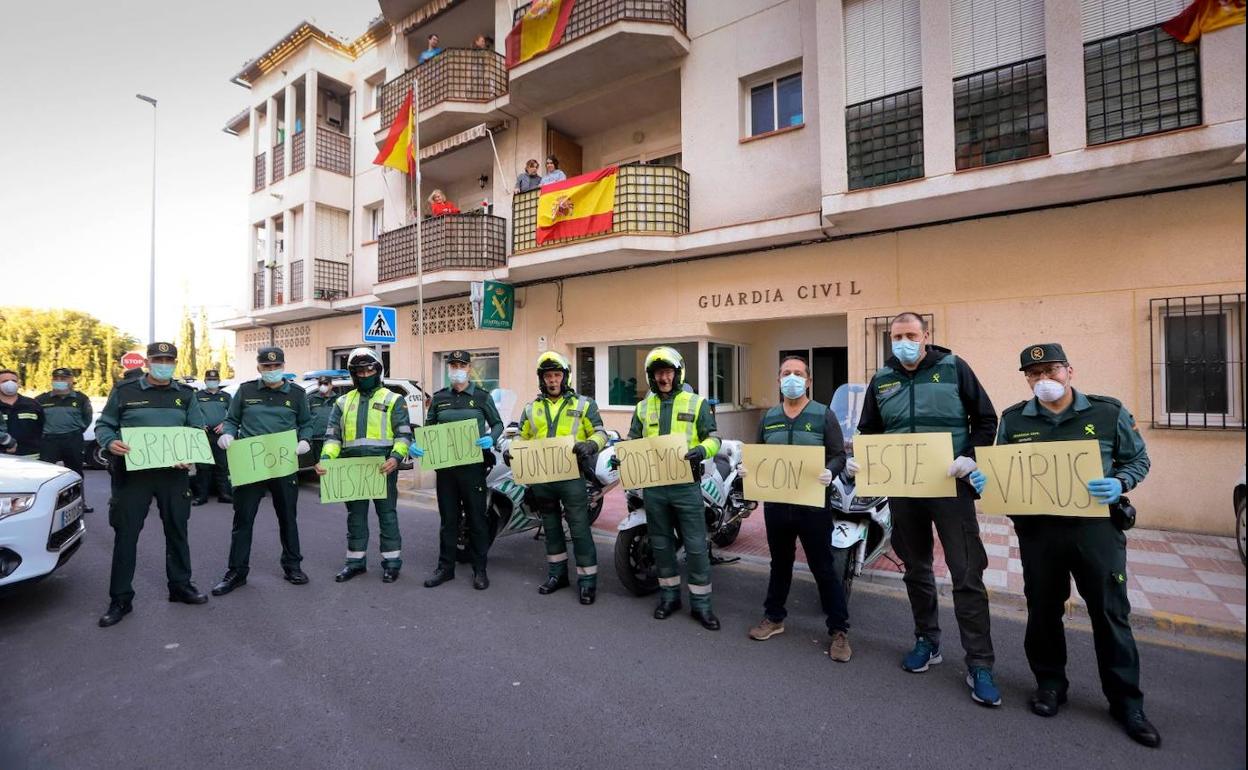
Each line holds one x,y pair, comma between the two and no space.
420,264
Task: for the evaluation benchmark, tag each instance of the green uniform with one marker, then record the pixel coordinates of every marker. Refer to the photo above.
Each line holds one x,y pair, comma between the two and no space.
576,416
258,410
1092,550
137,403
462,490
320,406
65,417
371,424
678,505
213,407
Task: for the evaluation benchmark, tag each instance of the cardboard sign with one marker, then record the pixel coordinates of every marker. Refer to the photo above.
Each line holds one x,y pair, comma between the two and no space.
449,444
780,473
165,447
905,465
1047,477
654,462
543,460
353,478
259,458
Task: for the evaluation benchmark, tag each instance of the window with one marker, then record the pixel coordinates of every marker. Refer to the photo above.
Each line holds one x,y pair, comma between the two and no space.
376,85
338,358
723,373
884,140
1140,83
776,104
585,379
879,346
1198,362
482,372
375,220
626,368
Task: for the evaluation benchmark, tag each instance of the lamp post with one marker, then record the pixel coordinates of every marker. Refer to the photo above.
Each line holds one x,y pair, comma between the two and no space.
151,276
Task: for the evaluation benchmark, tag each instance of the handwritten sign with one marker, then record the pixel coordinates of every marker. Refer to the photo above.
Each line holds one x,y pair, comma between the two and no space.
1047,477
353,478
542,461
905,465
165,447
780,473
656,461
449,444
258,458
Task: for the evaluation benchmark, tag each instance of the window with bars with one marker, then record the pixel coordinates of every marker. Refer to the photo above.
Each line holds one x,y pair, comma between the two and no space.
884,140
586,380
1139,83
1001,115
1197,347
879,345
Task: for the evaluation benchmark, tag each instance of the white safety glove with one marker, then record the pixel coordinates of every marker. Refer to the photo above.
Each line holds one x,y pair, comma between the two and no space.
741,471
225,441
504,445
302,448
962,467
851,468
825,477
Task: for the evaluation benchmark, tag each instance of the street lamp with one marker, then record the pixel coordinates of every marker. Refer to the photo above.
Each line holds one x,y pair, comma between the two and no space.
151,276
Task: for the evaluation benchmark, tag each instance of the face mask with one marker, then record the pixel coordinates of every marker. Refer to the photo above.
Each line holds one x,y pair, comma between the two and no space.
793,386
212,384
325,390
273,377
1049,391
60,386
367,383
162,372
907,351
459,376
9,388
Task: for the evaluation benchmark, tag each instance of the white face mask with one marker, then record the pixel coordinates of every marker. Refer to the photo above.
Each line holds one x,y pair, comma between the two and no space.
459,376
1049,391
325,389
9,388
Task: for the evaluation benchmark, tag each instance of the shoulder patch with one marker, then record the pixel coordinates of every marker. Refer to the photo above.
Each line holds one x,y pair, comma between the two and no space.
1103,399
1014,408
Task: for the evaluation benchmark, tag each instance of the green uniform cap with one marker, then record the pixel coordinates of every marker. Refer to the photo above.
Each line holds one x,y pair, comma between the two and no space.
162,350
270,356
1044,353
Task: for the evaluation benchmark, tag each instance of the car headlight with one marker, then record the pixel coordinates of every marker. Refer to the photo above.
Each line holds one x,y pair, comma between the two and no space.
11,505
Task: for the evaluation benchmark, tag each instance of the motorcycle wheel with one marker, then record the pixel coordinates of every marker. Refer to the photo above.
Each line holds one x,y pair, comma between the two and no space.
1239,531
493,515
634,562
843,566
727,535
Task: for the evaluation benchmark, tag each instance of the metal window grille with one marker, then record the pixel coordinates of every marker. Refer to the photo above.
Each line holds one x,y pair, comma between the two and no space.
1144,82
456,74
453,241
1197,353
592,15
287,337
333,151
297,153
296,280
884,139
276,286
648,199
257,290
259,173
330,280
1001,114
878,345
279,161
586,380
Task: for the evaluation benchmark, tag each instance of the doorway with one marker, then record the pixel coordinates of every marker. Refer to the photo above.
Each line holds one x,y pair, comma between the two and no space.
829,369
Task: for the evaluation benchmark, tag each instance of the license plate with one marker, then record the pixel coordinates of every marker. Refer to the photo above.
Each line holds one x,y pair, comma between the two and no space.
71,514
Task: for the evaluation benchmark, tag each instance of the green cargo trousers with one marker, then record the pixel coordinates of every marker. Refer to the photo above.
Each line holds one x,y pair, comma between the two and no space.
572,497
133,492
679,506
387,524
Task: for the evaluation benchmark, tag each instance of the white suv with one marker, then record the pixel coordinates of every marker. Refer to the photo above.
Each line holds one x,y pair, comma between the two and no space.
41,522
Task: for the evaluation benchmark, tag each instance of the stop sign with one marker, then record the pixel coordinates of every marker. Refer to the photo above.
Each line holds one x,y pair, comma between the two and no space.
133,360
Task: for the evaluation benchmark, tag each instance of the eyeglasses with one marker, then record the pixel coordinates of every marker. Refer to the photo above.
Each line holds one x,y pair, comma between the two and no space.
1043,372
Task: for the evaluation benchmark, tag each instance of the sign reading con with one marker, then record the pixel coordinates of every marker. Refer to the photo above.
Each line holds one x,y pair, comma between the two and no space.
1047,477
780,473
656,461
353,478
905,465
271,456
544,460
165,447
448,445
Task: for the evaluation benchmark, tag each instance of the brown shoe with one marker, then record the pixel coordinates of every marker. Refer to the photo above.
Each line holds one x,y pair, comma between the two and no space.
839,650
766,629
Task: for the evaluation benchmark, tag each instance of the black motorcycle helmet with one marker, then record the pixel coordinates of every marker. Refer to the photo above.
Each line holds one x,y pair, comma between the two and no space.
362,359
550,361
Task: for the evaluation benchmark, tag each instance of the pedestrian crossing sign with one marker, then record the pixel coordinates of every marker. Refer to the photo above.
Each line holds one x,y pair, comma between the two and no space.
380,324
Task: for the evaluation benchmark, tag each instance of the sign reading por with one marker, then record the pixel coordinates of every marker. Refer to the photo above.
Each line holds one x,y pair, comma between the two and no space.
380,324
905,465
780,473
448,444
258,458
653,462
1047,477
353,478
543,460
165,447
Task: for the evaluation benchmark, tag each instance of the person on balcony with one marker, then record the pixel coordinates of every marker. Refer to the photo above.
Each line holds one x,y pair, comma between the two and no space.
439,205
553,173
431,49
530,179
483,43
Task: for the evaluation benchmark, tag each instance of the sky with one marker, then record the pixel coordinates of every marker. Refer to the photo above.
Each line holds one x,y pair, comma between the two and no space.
76,150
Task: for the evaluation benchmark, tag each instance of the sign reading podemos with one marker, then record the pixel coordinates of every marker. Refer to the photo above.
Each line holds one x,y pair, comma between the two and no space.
165,447
543,460
448,444
780,473
1045,477
653,462
258,458
353,478
905,465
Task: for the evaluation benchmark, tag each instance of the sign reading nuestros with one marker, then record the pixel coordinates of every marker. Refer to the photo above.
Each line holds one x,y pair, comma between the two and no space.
777,294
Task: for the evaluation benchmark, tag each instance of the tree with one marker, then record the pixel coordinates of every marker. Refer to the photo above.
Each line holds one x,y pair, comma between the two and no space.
203,347
224,362
188,366
35,342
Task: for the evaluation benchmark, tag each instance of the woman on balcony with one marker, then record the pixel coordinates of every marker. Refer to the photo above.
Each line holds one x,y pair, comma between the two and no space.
530,179
553,172
439,205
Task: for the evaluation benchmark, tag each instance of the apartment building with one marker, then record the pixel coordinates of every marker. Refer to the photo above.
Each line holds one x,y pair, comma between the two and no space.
792,174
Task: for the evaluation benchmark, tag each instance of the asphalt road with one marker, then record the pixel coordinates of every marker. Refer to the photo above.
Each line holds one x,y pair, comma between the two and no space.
371,675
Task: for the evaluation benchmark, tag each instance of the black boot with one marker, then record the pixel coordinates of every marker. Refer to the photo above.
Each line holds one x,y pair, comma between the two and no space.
666,608
116,611
88,509
1137,725
199,500
228,583
187,593
707,619
1046,702
480,580
389,574
439,577
295,576
553,584
225,499
588,594
349,571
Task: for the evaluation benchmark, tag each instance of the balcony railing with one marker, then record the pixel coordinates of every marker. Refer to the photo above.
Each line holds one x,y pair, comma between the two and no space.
297,153
456,74
259,172
257,290
279,161
592,15
330,280
333,151
648,199
296,280
450,242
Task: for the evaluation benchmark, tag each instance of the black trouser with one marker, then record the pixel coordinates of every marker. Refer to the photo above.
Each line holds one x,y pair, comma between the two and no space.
1093,551
285,494
786,524
132,496
462,489
66,448
954,518
212,477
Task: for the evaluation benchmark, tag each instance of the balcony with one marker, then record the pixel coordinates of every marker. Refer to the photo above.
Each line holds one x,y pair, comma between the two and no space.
331,281
458,89
257,290
333,151
452,246
647,34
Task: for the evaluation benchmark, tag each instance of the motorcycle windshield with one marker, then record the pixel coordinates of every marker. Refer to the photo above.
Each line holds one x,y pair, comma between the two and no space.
506,402
847,405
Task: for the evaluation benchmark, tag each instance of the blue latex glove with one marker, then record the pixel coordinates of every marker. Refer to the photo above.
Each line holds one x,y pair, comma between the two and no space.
978,480
415,451
486,442
1106,491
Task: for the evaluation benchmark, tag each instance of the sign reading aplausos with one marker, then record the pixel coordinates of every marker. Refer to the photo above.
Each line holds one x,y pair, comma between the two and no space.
448,444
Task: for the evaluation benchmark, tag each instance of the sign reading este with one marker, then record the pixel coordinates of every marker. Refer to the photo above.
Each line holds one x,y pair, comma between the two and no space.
905,465
780,473
259,458
1047,477
165,447
448,445
656,461
543,460
353,478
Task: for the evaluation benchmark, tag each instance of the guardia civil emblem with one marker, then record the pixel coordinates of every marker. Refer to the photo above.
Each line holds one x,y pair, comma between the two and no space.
1037,353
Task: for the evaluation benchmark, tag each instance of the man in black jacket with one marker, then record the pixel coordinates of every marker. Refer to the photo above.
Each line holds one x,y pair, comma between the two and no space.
20,416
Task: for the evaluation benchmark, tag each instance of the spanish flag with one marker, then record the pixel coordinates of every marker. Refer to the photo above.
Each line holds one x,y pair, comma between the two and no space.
1204,16
582,205
539,30
397,151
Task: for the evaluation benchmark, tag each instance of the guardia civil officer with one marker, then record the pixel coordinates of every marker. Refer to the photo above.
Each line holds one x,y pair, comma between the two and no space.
370,421
66,414
321,403
671,409
1091,550
20,416
151,401
559,411
214,404
271,404
923,388
462,490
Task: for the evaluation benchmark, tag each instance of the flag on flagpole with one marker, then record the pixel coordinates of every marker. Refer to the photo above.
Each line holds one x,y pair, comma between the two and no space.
1204,16
539,30
397,151
582,205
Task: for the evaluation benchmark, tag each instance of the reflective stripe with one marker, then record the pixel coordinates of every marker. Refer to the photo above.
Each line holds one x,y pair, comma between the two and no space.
368,442
378,432
557,557
356,554
700,590
591,570
683,402
669,582
390,554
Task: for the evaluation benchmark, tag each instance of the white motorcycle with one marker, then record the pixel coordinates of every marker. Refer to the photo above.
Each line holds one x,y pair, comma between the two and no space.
862,527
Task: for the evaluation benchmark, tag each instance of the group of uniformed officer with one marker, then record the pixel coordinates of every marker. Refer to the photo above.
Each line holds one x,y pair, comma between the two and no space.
49,426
